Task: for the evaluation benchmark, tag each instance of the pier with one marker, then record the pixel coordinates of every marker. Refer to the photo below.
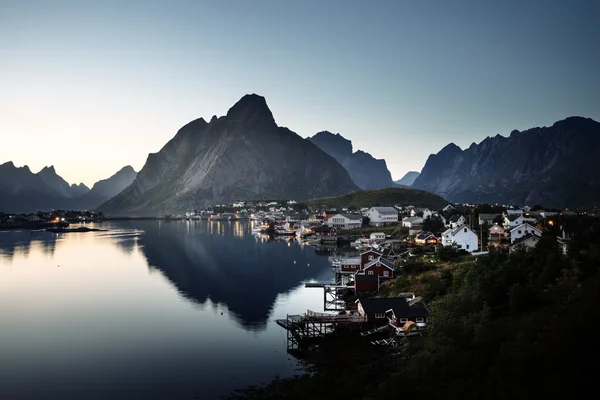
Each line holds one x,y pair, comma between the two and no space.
303,329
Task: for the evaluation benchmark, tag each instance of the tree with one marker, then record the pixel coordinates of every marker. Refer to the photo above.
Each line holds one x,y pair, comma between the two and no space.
366,220
433,224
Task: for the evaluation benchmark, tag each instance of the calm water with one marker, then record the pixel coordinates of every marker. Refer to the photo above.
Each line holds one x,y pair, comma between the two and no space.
149,309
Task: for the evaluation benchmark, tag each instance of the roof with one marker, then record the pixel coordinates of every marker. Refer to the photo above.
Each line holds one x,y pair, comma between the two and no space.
385,209
388,252
353,217
412,219
458,228
384,261
371,250
525,224
455,218
424,235
323,229
488,217
525,238
378,233
513,217
398,304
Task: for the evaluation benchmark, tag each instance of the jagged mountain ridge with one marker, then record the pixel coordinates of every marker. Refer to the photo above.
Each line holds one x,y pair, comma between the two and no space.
550,166
240,156
408,179
22,191
366,171
56,182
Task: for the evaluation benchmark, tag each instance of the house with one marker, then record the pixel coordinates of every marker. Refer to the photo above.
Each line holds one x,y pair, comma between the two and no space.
382,215
496,233
326,231
382,267
375,309
456,220
348,265
327,214
425,238
489,218
406,319
462,237
513,212
414,230
448,208
369,255
377,236
408,222
345,221
564,240
390,255
366,283
525,229
527,242
426,212
512,221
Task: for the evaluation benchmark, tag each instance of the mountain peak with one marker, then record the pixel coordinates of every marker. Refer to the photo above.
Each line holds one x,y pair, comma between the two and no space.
8,164
251,108
127,168
451,148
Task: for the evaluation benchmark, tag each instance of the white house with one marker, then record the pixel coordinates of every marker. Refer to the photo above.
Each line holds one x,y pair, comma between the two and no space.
528,242
522,230
345,221
489,218
512,221
456,220
409,222
463,237
513,212
376,236
448,207
426,212
382,215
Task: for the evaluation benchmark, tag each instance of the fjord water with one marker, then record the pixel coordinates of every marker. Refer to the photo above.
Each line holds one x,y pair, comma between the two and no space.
149,309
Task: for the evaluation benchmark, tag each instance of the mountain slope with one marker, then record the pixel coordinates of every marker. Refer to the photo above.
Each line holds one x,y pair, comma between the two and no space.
408,179
366,171
552,166
62,187
23,191
243,155
382,197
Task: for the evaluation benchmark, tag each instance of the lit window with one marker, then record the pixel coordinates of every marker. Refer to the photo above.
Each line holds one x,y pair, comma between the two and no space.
419,319
379,315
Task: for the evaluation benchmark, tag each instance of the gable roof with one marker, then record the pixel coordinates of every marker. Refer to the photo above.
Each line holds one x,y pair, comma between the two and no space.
488,217
424,235
525,224
399,305
528,237
385,209
459,228
383,261
455,218
513,217
371,250
352,217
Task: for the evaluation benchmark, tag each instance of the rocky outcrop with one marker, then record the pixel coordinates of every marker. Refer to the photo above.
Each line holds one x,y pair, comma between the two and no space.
243,155
553,166
408,179
366,171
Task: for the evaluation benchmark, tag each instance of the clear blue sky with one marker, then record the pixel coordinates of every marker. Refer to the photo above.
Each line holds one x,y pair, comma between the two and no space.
91,86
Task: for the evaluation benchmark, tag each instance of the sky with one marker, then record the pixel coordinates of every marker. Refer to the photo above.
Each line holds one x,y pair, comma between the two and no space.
92,86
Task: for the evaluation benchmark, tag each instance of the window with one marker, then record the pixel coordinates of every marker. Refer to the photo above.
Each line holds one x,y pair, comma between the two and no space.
519,232
386,273
370,273
467,247
465,230
370,258
379,315
419,319
403,320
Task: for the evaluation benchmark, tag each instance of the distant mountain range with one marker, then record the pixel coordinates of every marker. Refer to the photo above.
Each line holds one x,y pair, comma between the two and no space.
23,191
366,171
553,166
408,179
242,155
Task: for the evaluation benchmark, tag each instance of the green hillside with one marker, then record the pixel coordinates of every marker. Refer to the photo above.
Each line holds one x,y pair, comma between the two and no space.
382,197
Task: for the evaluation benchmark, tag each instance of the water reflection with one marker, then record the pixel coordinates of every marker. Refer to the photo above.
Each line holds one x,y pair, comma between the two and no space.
21,242
220,261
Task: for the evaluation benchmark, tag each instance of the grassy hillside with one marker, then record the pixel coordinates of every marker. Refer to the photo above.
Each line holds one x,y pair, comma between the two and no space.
382,197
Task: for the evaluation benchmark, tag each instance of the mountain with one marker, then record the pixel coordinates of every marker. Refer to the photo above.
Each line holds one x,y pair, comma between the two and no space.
382,197
22,191
552,166
366,171
408,179
62,187
242,155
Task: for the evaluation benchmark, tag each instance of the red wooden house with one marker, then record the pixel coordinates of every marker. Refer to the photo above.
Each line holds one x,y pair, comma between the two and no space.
368,256
381,267
366,283
326,231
